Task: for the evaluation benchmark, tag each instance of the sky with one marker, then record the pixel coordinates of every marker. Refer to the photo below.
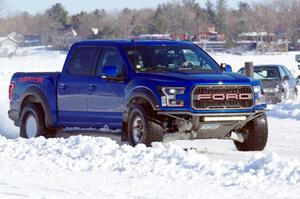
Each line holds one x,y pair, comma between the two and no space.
75,6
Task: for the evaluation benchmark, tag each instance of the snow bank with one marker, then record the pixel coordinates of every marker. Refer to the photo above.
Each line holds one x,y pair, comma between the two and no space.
91,154
286,110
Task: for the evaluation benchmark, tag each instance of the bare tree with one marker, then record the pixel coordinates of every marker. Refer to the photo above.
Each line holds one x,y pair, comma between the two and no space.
174,16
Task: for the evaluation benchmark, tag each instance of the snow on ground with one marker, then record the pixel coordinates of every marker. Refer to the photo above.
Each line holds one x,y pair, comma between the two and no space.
286,110
140,170
98,167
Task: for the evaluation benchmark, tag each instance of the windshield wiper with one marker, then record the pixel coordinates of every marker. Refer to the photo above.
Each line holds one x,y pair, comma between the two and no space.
154,68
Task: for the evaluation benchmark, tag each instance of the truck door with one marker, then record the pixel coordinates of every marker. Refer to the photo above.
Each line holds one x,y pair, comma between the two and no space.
73,87
106,98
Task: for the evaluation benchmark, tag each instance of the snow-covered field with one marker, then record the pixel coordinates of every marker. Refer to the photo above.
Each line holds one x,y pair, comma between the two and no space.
99,167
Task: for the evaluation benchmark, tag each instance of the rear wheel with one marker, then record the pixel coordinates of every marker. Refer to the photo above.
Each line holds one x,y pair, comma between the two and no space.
141,129
255,134
33,123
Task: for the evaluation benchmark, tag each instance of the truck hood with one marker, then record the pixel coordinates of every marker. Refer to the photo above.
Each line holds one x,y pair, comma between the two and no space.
215,77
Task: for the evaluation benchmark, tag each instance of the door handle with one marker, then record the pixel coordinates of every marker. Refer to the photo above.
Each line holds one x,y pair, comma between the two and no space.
92,87
62,86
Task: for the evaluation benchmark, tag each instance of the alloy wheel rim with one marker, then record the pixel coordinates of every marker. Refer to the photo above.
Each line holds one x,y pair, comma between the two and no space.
138,129
31,127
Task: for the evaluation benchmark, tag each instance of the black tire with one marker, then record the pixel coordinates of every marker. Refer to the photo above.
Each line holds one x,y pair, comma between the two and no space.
295,94
124,136
33,112
50,133
255,134
283,97
153,132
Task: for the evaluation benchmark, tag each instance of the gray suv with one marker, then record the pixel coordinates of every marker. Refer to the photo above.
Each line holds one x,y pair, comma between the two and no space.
278,83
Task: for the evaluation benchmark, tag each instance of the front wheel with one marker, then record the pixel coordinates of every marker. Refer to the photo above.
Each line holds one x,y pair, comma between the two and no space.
255,134
141,129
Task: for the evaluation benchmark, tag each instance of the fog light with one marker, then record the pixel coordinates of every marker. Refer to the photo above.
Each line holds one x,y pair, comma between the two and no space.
227,118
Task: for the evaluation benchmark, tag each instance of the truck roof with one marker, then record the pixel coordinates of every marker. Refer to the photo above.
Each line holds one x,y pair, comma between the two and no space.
128,42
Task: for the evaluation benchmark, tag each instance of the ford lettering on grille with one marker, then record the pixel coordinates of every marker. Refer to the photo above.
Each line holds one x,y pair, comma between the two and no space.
242,96
222,97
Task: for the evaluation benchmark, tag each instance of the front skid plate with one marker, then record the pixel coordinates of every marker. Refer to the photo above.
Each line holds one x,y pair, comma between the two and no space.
204,131
214,130
209,130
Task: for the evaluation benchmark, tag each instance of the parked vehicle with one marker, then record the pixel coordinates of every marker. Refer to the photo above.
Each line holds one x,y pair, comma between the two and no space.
150,89
278,83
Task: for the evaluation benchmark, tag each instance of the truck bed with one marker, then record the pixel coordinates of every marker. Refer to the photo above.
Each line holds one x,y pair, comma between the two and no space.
44,83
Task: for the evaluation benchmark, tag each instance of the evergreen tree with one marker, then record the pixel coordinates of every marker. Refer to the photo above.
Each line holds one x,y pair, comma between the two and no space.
221,15
210,13
58,17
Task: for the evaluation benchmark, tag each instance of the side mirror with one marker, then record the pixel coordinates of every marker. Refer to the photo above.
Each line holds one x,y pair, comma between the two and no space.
110,72
226,67
285,78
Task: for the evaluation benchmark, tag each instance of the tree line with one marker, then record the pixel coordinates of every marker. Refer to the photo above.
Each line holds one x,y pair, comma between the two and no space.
185,16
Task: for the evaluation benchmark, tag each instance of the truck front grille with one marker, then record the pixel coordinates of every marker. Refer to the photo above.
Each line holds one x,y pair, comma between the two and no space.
222,97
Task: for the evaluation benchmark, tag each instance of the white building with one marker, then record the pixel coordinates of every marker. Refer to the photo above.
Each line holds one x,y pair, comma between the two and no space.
8,46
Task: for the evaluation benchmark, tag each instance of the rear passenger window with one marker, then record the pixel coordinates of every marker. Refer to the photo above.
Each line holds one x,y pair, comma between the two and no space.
82,60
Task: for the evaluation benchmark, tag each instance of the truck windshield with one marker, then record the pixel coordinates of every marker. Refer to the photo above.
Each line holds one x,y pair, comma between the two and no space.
187,58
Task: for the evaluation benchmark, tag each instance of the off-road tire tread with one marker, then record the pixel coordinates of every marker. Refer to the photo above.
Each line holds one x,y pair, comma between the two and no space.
153,132
257,137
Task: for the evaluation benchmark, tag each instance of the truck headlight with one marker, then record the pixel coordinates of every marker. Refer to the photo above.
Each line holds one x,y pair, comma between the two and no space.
269,90
171,96
258,96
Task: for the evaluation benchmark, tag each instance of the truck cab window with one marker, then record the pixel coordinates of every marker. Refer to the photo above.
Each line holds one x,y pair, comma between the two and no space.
109,57
187,58
82,61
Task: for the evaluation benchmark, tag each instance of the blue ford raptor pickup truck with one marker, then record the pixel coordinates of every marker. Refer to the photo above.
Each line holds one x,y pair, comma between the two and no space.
152,90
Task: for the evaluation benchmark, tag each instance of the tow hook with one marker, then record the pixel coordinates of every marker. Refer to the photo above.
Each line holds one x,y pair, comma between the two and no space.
237,136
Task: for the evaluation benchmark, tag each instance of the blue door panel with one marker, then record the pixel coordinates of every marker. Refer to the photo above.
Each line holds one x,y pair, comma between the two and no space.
71,98
106,101
106,98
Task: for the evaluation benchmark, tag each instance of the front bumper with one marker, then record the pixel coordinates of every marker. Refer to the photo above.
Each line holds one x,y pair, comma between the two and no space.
207,126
